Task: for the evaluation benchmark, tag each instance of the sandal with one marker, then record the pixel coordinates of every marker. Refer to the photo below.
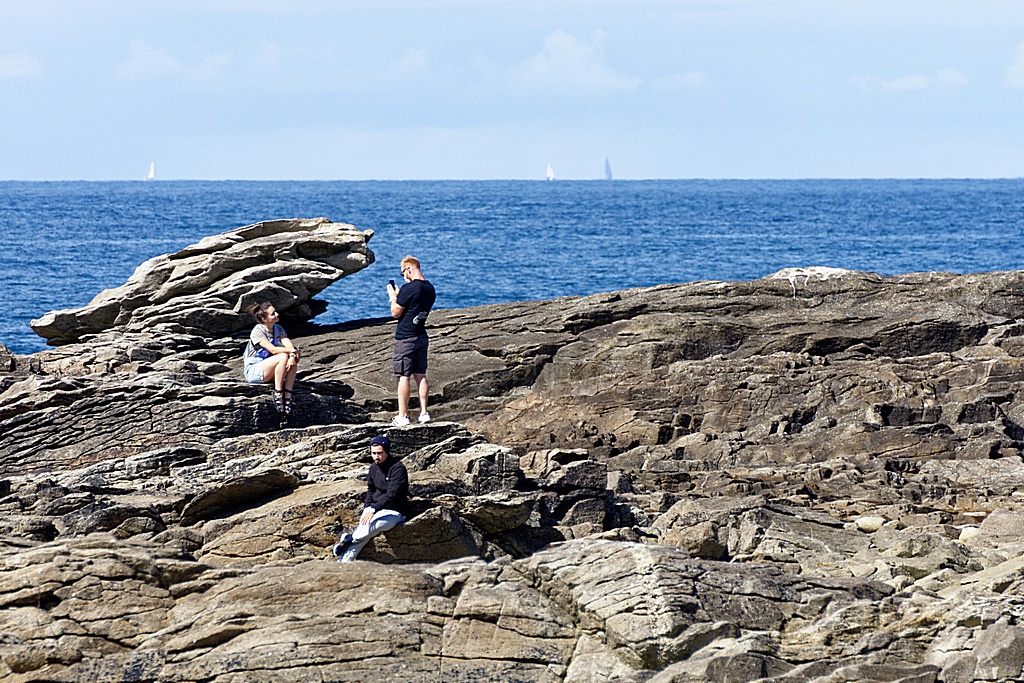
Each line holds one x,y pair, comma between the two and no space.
287,402
279,400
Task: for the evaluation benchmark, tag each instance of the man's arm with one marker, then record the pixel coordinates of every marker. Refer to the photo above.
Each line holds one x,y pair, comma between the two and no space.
368,509
396,310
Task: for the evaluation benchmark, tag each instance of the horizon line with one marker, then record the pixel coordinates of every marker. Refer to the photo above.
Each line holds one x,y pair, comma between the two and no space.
486,180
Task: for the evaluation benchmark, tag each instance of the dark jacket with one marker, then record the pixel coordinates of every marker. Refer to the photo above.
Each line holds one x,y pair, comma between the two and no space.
387,486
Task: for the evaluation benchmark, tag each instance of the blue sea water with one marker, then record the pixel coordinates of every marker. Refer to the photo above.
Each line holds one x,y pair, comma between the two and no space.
499,241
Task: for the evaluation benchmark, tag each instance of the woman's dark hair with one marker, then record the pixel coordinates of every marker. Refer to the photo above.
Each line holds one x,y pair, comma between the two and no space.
259,311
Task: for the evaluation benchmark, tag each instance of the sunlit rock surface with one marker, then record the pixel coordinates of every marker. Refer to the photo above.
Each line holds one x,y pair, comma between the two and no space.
816,476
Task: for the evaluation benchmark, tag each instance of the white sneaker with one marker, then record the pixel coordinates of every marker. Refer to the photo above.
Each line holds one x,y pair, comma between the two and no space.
424,417
399,421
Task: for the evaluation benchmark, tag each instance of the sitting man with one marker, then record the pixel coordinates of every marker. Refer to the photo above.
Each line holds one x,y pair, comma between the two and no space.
387,493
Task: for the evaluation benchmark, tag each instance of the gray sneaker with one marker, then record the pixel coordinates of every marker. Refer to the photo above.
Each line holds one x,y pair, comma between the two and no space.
341,546
399,421
424,417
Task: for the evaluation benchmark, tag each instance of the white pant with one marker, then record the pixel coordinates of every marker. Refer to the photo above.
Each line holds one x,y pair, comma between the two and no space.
379,523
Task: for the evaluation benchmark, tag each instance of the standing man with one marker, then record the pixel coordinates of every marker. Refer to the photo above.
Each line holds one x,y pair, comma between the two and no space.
387,495
410,305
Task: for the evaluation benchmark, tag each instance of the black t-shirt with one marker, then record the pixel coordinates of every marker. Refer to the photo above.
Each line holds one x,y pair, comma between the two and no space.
417,297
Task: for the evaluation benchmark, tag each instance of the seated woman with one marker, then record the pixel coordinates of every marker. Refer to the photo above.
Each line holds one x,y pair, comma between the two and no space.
271,354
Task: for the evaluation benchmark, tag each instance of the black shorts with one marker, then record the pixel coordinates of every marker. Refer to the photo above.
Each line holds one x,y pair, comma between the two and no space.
410,356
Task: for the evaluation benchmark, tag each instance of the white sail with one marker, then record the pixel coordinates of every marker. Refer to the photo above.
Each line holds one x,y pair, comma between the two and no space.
152,171
607,169
551,173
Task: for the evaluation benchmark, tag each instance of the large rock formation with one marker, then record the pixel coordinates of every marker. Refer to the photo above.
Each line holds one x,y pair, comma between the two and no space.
816,476
208,287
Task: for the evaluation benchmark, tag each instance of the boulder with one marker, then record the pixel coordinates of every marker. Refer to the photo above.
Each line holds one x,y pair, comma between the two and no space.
239,491
436,535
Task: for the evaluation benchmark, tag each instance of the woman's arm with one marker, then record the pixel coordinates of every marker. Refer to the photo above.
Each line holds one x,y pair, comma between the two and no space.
290,349
286,347
293,353
286,343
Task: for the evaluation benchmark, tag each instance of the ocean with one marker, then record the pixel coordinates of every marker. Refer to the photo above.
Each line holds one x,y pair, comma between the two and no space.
497,241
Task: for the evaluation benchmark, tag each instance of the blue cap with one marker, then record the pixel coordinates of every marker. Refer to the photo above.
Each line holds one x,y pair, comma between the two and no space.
383,441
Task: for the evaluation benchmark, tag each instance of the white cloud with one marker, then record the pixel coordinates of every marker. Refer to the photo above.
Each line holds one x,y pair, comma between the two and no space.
945,79
951,78
414,63
680,81
917,82
213,66
20,65
565,63
147,63
268,57
1015,72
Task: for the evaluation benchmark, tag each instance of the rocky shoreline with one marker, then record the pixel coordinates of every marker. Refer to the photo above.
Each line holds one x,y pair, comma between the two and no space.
814,476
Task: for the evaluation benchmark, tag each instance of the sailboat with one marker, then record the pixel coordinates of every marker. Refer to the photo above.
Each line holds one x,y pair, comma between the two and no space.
152,171
607,169
551,173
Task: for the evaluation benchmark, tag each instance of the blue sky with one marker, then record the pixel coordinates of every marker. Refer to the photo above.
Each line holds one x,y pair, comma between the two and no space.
403,89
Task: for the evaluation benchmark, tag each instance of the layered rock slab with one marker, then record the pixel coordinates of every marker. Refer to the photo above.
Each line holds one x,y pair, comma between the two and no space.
93,609
739,373
207,288
56,423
